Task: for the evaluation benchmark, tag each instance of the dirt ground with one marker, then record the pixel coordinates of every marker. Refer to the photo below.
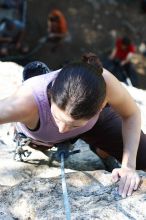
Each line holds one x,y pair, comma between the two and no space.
92,25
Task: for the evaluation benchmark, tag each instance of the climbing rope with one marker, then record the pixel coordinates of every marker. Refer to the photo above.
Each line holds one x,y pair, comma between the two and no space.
64,189
64,150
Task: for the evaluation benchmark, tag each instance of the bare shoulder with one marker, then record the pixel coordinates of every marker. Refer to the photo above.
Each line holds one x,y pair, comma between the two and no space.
117,95
18,107
113,86
109,77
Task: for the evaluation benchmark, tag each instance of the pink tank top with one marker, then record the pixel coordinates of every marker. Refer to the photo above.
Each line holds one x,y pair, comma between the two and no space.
48,131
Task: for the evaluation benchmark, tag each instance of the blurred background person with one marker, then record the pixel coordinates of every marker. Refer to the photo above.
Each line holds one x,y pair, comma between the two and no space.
57,28
119,62
11,36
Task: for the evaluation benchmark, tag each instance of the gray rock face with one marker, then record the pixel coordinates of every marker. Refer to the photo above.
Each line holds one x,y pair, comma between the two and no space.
92,195
33,190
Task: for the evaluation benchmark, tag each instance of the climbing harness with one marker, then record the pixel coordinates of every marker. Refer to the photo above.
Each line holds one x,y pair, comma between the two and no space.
21,140
64,150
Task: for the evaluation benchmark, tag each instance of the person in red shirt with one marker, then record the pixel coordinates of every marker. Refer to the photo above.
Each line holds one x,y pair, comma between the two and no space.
57,27
123,50
121,59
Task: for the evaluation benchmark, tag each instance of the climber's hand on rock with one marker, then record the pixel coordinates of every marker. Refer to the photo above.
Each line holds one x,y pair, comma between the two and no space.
128,180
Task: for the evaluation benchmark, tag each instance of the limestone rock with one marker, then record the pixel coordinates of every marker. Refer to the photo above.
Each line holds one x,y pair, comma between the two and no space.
92,195
10,78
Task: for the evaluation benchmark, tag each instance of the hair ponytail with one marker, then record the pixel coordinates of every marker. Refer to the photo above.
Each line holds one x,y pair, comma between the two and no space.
92,59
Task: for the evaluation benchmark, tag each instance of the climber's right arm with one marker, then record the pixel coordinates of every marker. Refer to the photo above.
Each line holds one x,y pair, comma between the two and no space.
19,107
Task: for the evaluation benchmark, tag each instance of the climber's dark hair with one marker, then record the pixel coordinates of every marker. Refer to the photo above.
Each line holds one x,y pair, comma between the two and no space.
79,89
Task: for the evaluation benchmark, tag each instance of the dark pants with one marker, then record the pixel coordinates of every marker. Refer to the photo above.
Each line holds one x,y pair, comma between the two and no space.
107,135
122,72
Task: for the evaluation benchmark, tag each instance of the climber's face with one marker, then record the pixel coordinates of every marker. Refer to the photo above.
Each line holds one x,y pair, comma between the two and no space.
64,121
